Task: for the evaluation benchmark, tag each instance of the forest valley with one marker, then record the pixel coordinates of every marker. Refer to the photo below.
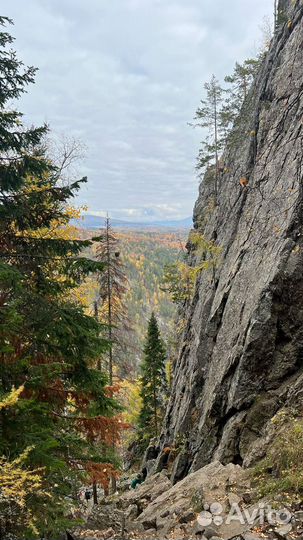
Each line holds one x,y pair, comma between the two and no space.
91,321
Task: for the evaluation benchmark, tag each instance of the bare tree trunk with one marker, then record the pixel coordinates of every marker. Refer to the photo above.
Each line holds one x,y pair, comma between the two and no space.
95,494
96,313
109,314
109,319
155,407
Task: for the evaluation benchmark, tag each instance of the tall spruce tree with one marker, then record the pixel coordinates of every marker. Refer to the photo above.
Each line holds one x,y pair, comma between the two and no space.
109,306
64,420
208,115
153,382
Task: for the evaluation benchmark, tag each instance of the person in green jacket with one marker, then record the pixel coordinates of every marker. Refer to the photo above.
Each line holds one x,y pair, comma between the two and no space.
136,481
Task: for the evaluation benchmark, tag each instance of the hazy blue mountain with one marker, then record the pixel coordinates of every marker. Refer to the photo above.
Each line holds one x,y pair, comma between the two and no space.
95,222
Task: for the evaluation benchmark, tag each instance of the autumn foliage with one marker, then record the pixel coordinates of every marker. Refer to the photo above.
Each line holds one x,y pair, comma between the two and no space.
58,418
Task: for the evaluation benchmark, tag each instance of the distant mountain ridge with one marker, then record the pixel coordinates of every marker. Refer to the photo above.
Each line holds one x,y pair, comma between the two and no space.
89,221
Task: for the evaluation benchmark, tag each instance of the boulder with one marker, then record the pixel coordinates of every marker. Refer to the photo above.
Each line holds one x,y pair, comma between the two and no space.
149,524
152,488
211,486
283,531
131,512
187,517
104,517
252,536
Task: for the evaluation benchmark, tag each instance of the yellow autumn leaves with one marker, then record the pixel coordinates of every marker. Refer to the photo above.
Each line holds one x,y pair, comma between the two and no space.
17,482
11,399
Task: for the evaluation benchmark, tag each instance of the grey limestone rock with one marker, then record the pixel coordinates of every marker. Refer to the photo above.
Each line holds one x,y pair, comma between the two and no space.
242,349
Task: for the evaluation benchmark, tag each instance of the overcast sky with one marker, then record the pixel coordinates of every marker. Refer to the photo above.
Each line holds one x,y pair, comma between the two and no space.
125,76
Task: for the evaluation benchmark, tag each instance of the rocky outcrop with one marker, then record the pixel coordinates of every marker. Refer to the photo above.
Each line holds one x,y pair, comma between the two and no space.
180,506
217,502
102,522
242,350
150,490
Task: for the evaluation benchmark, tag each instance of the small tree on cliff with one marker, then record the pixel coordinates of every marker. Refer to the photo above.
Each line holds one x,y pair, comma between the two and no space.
239,82
208,115
153,381
236,113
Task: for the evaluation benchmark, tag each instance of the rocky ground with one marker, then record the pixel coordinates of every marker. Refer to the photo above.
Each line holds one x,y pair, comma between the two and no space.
216,502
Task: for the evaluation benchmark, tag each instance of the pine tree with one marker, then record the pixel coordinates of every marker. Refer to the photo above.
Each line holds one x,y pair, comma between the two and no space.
48,345
236,114
208,115
109,306
153,382
178,281
239,85
280,14
179,278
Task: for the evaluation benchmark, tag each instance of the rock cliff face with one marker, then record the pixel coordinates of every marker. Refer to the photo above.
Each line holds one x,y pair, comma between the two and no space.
242,350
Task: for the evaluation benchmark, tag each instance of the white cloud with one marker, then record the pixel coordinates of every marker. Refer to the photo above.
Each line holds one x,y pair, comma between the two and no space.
126,76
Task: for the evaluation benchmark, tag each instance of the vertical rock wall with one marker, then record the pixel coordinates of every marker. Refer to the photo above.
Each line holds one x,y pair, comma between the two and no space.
242,350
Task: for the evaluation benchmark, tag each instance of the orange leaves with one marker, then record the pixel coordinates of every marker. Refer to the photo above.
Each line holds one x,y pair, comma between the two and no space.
79,399
111,390
53,393
101,473
103,429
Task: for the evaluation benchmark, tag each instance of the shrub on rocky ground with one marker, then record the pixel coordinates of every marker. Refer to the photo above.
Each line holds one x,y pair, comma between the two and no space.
280,474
